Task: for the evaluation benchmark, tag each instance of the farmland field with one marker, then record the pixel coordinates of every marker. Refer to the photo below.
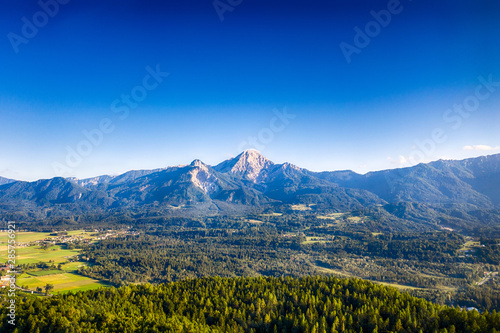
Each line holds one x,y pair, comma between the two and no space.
21,237
253,221
62,282
332,216
47,272
25,237
301,207
64,279
73,266
311,240
33,254
271,214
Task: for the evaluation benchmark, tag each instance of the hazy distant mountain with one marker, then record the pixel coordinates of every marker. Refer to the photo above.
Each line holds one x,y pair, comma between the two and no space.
6,180
56,193
125,177
474,181
91,181
55,190
248,182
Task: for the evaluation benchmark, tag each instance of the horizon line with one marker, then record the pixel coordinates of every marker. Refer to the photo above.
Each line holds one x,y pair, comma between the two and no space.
247,150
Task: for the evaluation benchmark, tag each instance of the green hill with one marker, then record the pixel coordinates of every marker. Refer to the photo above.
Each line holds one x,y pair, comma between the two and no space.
310,304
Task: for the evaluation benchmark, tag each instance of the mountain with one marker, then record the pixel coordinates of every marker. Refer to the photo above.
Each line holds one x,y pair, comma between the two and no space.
474,181
6,180
196,183
481,173
444,191
287,183
44,198
250,165
123,178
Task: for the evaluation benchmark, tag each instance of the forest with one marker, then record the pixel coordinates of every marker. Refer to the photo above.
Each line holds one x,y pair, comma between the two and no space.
273,273
433,265
262,304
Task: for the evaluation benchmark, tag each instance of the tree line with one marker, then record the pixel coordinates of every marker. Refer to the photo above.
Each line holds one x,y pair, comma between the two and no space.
308,304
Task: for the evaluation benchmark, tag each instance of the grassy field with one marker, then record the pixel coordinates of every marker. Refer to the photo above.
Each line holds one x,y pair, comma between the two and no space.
337,216
348,275
62,282
73,266
253,221
399,286
311,240
26,237
301,207
332,216
469,245
64,279
271,214
48,272
34,254
175,207
85,234
333,271
21,237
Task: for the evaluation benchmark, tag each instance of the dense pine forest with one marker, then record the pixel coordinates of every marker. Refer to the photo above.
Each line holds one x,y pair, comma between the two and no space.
309,304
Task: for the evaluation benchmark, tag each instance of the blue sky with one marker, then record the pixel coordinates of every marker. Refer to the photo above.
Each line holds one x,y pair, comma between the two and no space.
272,75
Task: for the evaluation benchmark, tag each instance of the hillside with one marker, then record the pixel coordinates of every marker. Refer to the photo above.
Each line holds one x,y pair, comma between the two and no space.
312,304
5,180
472,181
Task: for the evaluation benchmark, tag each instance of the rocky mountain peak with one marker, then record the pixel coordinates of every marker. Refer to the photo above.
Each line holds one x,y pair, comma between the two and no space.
250,164
202,177
252,158
290,166
199,164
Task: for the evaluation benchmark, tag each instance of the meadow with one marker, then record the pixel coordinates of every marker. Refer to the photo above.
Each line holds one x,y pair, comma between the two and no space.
64,279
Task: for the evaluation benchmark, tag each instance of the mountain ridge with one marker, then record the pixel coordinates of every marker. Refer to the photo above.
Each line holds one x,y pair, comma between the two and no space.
4,180
251,182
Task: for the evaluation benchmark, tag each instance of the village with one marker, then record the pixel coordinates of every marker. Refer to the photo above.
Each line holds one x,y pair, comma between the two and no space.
51,252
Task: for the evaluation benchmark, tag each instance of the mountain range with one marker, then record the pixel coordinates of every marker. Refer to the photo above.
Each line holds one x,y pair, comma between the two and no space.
250,183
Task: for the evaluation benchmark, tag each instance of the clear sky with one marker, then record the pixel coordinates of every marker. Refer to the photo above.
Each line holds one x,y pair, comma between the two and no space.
102,87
